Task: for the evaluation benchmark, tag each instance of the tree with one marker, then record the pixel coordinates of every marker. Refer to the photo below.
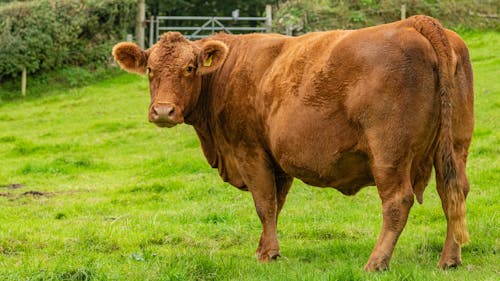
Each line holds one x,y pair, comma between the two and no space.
251,8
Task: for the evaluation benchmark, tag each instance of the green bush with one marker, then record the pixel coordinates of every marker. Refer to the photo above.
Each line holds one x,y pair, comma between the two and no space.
48,34
312,15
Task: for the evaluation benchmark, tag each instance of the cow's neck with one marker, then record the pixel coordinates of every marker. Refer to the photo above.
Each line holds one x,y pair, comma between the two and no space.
213,99
200,115
200,119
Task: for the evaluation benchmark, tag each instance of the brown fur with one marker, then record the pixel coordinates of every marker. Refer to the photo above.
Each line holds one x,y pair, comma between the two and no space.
346,109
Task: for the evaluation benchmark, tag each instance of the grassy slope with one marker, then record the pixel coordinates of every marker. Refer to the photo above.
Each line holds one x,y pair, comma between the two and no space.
123,200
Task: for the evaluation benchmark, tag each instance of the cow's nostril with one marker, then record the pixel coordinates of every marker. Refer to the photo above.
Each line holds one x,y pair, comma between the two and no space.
170,111
154,112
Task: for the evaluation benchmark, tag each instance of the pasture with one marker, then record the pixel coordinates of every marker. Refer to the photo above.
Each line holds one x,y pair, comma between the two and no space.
89,190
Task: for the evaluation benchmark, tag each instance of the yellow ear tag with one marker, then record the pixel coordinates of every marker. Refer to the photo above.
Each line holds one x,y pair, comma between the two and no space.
208,61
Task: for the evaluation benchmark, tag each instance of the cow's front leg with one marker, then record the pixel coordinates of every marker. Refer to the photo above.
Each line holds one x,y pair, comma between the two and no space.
268,248
259,177
265,200
283,184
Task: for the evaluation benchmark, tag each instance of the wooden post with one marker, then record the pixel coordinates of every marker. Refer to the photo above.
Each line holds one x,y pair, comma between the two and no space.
23,82
269,18
139,24
403,11
151,31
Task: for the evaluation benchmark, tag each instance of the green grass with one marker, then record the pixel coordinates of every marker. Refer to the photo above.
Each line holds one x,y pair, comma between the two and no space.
103,195
64,79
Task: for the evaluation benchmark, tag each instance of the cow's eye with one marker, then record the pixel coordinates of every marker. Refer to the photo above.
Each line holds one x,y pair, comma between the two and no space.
149,70
190,69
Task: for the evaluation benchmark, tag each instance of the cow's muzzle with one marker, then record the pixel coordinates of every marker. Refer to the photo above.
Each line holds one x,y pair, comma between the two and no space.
165,115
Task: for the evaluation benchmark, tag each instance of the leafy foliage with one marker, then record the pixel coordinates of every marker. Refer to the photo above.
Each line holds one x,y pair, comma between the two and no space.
311,15
45,35
251,8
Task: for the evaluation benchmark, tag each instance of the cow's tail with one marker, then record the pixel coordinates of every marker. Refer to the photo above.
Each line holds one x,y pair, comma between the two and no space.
446,168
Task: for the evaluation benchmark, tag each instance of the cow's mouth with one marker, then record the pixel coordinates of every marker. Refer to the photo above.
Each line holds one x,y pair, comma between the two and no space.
165,124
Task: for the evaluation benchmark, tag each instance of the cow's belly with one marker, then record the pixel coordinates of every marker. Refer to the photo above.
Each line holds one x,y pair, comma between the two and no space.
348,173
321,150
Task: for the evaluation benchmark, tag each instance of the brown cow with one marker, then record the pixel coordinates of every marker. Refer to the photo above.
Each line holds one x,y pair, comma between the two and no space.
347,109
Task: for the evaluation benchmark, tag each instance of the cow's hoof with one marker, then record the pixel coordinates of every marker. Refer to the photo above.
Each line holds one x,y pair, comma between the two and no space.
450,263
376,266
268,256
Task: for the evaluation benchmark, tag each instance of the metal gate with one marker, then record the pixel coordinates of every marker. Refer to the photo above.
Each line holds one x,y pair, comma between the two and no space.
208,25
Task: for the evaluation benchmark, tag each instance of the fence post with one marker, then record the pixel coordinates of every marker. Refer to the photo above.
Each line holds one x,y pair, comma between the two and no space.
139,25
157,28
151,31
403,11
23,82
269,18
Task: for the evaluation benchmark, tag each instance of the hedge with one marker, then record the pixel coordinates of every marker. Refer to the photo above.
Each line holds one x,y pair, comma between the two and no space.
313,15
48,34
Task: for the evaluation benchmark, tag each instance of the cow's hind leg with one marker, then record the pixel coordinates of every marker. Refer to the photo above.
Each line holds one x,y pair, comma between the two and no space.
451,255
395,190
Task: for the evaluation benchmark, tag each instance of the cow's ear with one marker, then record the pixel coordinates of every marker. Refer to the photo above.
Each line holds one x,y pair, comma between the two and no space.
131,57
212,55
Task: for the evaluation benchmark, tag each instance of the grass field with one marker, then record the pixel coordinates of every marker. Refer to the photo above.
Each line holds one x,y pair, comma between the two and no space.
91,191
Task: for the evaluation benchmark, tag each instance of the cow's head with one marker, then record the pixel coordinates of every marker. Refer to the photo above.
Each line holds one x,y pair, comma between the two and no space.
174,66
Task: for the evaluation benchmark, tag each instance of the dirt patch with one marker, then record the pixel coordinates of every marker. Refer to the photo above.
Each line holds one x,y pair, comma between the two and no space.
13,186
35,193
5,194
32,193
